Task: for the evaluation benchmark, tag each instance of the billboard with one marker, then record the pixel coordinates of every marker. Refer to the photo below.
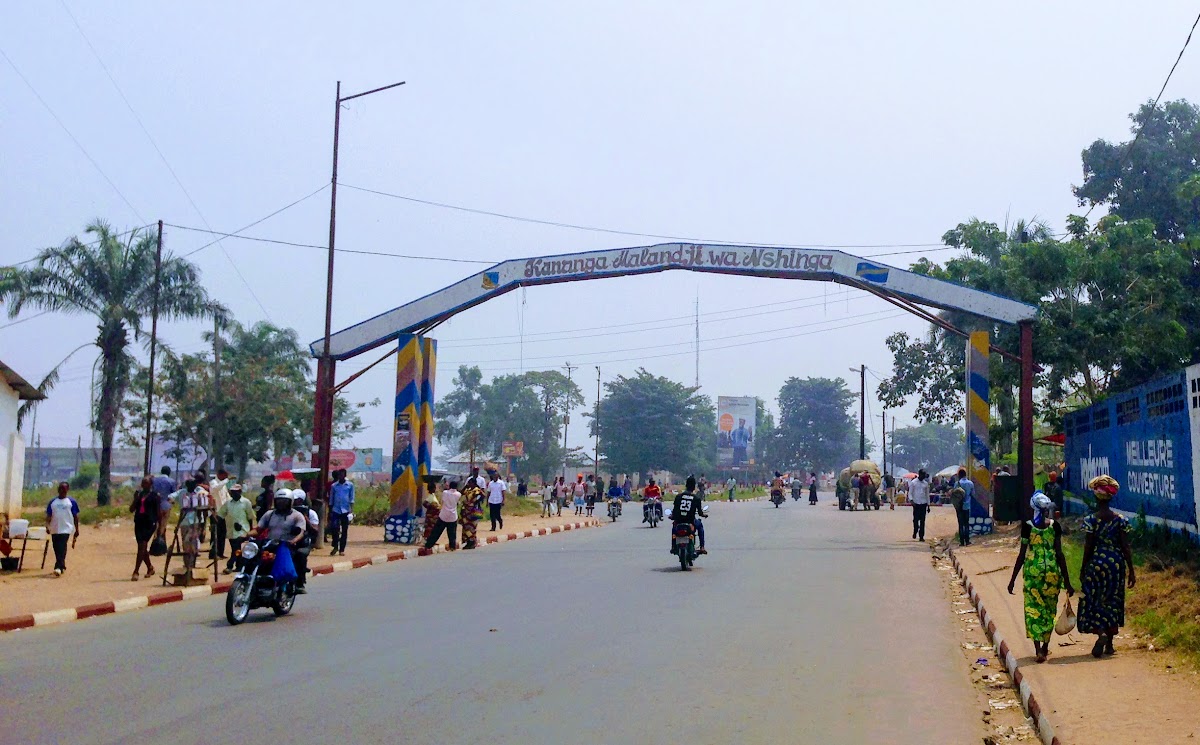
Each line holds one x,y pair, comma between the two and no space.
358,460
513,449
735,431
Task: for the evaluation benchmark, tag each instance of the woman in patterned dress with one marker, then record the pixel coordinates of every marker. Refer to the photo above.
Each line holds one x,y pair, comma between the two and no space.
1045,573
470,512
432,508
1107,568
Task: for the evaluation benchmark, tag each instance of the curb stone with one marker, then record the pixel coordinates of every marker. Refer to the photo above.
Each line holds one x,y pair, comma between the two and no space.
122,605
1028,700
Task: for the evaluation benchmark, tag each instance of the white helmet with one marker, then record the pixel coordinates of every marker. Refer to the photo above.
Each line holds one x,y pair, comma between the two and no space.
299,497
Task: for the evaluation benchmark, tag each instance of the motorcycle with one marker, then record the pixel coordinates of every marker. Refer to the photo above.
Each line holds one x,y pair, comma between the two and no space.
684,544
652,512
614,509
777,498
254,587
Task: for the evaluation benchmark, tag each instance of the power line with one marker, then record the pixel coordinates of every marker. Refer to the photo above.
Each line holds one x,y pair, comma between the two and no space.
614,231
161,156
235,233
74,139
714,349
659,346
323,248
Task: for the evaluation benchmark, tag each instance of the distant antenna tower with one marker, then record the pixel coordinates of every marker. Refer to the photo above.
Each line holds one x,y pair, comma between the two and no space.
697,337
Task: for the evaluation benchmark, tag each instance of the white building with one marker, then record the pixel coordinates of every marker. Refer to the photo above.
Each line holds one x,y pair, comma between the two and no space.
13,390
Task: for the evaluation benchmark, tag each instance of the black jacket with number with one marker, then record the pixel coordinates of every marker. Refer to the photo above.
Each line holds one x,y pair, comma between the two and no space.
686,508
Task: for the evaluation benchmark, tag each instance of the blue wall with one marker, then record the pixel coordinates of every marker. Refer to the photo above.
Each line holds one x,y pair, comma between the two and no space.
1142,438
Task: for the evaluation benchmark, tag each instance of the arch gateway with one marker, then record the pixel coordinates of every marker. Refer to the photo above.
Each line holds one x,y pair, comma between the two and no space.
408,327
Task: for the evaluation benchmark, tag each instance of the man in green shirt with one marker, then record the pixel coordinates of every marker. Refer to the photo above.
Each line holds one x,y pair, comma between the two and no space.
238,515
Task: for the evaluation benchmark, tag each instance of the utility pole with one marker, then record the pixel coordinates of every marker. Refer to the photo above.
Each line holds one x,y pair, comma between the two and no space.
153,344
216,444
883,447
893,440
325,394
596,461
697,338
862,410
567,419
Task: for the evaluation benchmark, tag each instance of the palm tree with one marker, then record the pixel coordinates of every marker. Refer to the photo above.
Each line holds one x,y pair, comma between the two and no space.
111,278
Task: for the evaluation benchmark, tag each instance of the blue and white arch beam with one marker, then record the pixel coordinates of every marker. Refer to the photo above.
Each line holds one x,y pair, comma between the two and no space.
754,261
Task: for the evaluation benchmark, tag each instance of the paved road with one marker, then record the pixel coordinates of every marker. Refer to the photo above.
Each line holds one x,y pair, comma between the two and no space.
803,625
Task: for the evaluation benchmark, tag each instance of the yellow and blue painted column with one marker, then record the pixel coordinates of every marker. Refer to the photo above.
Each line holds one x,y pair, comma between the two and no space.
979,417
412,437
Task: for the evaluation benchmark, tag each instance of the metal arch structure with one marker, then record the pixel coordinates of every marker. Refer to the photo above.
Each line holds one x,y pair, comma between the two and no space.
782,263
909,290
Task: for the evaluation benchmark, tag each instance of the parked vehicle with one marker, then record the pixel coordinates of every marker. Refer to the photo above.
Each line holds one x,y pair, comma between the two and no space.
254,587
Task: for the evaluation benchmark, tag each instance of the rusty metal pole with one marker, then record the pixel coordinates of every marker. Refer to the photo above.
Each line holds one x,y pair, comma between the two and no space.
862,413
153,344
1025,416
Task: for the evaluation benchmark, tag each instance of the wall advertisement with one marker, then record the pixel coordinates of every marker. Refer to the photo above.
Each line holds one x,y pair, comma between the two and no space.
735,431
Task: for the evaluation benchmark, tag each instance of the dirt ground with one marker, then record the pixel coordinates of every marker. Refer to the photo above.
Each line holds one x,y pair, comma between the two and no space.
1137,696
100,566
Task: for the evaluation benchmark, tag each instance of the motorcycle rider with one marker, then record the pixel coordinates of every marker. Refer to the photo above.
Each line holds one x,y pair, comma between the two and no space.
688,509
652,500
300,554
797,487
283,523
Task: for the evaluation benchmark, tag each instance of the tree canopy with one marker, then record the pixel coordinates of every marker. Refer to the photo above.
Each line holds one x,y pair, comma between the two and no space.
649,423
816,430
932,446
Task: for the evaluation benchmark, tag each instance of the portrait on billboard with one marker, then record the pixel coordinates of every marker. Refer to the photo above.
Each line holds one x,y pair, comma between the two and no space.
735,431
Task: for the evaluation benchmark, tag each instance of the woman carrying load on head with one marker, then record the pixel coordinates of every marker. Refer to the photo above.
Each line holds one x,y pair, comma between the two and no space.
1106,559
1046,575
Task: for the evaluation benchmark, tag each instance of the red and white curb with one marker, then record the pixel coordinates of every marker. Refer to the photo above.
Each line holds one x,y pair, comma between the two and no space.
1028,701
65,615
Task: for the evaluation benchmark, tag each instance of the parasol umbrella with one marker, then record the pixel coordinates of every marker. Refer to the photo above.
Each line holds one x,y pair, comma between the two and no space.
909,475
948,471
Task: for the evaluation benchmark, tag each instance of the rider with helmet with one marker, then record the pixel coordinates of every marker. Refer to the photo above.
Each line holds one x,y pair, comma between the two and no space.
687,510
283,523
304,548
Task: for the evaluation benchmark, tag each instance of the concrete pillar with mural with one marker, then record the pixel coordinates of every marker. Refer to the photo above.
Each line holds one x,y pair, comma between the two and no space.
412,437
979,452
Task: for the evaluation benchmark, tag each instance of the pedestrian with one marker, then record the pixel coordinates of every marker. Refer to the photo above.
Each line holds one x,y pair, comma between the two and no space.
561,494
548,492
592,494
219,489
496,490
263,504
62,523
1107,568
470,512
164,487
432,508
702,487
341,505
1045,572
1054,490
626,489
812,487
731,486
918,495
964,516
238,516
145,508
522,489
579,491
447,519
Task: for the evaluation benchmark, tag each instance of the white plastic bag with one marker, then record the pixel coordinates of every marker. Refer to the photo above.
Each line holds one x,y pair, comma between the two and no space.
1066,620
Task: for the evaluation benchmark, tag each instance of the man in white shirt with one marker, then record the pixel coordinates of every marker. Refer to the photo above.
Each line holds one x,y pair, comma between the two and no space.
447,519
731,487
496,489
548,498
918,495
219,489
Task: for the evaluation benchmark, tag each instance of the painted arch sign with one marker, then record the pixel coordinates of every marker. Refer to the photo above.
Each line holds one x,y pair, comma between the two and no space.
757,261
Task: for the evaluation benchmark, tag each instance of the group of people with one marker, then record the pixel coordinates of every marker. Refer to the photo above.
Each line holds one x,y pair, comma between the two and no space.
583,493
445,512
1106,572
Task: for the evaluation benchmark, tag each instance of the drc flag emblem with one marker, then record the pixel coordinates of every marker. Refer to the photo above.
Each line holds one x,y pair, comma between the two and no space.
872,272
491,280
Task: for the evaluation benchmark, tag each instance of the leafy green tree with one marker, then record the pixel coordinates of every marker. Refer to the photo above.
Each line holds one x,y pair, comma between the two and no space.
650,423
931,445
113,280
1148,180
816,429
528,407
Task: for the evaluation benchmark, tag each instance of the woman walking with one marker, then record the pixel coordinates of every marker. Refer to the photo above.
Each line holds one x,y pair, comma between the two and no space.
471,512
432,507
579,490
145,509
1046,574
1106,559
812,487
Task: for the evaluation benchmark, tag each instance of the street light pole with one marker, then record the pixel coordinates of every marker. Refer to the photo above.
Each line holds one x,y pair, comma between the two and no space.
862,410
325,395
567,419
596,461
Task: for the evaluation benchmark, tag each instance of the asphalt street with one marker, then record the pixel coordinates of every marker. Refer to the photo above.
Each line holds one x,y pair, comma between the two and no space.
803,625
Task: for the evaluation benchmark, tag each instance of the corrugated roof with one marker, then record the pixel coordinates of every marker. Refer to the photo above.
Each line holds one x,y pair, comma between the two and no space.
22,386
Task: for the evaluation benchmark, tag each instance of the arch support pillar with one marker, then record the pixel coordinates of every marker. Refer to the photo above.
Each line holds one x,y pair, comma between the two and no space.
412,438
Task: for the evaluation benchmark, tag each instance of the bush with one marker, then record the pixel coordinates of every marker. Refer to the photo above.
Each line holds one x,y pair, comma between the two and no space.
86,477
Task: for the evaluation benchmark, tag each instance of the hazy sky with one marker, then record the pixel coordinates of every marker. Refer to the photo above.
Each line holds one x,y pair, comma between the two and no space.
790,122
